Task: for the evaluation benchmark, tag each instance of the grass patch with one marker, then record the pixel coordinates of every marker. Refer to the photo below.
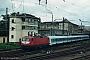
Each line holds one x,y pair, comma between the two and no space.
9,46
43,52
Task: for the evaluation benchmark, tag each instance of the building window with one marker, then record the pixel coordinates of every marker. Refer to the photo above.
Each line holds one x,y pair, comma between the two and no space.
36,22
32,20
42,27
23,19
13,28
26,20
13,21
23,27
12,36
3,40
29,28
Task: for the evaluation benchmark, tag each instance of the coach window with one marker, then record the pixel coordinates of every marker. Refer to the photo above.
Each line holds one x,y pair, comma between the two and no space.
58,39
61,39
12,36
55,40
52,40
78,38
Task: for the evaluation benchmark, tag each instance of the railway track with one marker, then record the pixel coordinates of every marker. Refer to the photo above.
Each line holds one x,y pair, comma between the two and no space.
9,52
4,50
56,54
81,57
20,54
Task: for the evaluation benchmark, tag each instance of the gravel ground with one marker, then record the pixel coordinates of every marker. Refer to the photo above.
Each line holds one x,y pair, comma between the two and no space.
68,57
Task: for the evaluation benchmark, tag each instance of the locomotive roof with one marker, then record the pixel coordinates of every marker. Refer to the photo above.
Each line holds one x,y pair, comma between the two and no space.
27,37
34,36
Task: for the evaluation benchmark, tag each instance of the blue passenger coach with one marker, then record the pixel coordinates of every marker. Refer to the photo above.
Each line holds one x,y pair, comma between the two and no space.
64,39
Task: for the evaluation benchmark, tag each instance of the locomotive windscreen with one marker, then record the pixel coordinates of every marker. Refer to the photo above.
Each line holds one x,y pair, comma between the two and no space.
25,40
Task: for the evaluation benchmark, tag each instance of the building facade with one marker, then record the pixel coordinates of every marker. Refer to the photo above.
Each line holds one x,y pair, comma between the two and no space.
22,25
3,39
57,28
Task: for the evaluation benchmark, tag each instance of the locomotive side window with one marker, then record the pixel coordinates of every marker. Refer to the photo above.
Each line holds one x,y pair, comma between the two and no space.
32,39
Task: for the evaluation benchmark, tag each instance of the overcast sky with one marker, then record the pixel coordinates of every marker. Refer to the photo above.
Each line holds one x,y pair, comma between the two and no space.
73,10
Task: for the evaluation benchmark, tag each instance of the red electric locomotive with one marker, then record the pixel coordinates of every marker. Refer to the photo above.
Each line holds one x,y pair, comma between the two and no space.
33,42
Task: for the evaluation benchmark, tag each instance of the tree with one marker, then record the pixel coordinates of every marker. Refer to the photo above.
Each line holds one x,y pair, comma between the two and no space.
2,28
4,16
14,13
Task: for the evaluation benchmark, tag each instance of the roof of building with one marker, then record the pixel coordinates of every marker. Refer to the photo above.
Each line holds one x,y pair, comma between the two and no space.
65,21
25,15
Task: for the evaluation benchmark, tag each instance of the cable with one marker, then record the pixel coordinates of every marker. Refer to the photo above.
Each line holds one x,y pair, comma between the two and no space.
23,6
19,5
78,6
12,5
16,8
63,10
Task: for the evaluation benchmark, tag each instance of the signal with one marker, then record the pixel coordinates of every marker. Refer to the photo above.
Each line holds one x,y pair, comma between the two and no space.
64,0
39,2
46,1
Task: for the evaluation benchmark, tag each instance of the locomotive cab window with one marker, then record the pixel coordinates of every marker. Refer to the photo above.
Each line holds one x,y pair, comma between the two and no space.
25,39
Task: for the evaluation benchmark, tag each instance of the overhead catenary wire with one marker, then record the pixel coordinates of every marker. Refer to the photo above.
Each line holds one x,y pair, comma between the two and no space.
14,8
58,8
50,11
22,3
19,5
12,5
63,10
23,6
82,7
